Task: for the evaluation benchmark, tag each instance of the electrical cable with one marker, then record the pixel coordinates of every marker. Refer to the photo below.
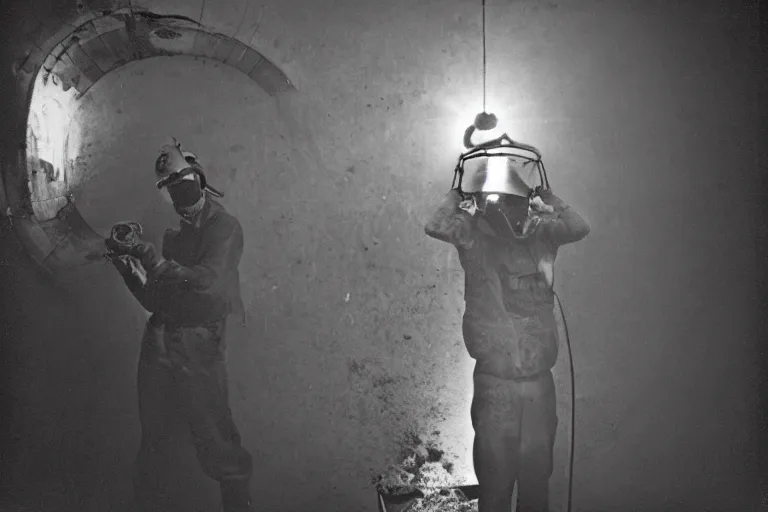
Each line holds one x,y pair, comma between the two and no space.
572,437
571,371
573,404
484,56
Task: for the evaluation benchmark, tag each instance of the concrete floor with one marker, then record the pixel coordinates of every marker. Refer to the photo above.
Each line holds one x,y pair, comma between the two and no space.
354,315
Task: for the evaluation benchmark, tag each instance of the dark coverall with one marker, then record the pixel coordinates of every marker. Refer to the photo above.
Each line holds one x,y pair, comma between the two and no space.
509,329
182,367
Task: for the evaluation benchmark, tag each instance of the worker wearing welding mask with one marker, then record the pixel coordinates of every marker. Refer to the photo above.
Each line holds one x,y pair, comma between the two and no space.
507,237
190,289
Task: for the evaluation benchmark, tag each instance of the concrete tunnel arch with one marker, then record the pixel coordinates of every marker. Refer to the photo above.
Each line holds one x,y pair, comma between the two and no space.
37,189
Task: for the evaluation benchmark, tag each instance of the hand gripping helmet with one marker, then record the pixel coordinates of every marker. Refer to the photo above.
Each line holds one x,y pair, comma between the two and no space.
175,165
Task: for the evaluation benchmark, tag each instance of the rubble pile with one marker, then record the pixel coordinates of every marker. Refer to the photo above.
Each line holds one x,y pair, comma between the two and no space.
424,472
445,500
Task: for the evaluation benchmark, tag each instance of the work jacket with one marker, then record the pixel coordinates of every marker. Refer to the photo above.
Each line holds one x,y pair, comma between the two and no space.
199,283
508,284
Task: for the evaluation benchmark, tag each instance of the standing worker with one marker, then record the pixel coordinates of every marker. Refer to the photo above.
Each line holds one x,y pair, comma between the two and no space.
507,236
190,290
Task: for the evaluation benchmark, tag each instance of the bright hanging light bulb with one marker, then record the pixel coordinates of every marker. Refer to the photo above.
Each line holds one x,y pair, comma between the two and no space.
479,136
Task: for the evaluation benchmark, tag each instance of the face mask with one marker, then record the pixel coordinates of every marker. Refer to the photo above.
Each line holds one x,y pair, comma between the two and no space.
507,215
186,196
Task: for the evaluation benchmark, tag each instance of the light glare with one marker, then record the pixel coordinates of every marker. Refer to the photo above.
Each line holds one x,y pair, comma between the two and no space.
465,113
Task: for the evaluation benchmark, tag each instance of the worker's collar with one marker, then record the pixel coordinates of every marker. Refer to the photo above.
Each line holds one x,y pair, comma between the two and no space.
530,225
198,219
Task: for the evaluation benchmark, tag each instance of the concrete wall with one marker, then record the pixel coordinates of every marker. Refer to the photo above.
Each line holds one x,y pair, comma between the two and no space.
645,116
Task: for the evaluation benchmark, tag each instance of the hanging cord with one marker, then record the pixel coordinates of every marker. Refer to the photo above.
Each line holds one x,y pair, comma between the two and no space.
573,405
484,58
572,440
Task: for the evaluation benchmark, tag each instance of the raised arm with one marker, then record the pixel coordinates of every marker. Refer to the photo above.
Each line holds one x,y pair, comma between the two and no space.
193,292
450,223
565,226
202,289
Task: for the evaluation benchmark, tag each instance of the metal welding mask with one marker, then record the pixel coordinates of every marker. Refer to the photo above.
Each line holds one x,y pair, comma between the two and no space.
497,175
499,166
182,179
502,176
500,192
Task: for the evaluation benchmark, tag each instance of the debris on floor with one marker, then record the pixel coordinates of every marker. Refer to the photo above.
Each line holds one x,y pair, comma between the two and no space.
425,475
446,500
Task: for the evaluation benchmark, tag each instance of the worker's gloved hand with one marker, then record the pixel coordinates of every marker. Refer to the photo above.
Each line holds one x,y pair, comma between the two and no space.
147,254
545,201
115,248
540,206
127,266
469,206
121,263
465,202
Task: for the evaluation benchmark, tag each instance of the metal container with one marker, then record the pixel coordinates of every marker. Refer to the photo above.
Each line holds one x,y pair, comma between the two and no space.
398,503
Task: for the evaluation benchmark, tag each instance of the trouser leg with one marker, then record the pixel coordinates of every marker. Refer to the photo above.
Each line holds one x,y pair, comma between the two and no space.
537,439
203,389
515,422
496,420
158,424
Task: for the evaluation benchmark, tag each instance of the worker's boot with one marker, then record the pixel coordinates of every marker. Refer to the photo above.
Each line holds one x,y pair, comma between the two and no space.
236,496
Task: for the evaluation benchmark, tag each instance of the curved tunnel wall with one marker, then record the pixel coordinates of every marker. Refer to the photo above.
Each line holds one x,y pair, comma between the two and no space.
56,236
49,225
627,95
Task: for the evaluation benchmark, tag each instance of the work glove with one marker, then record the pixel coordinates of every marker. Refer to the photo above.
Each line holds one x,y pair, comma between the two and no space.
549,199
127,266
147,254
121,263
123,252
539,206
469,206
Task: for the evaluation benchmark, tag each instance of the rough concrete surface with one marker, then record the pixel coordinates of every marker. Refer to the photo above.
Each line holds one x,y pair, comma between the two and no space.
647,114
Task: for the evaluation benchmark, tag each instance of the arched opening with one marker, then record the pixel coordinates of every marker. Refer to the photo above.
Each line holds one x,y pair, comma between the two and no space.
347,347
63,229
59,236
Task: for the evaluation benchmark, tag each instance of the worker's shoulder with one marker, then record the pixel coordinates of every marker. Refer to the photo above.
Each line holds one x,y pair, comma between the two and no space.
169,234
220,218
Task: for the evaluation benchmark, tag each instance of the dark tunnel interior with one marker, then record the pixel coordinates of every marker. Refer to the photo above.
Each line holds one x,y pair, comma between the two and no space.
333,129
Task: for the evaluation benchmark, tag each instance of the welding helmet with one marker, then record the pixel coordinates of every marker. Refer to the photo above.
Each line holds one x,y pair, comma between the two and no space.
175,165
181,179
494,175
503,176
499,166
